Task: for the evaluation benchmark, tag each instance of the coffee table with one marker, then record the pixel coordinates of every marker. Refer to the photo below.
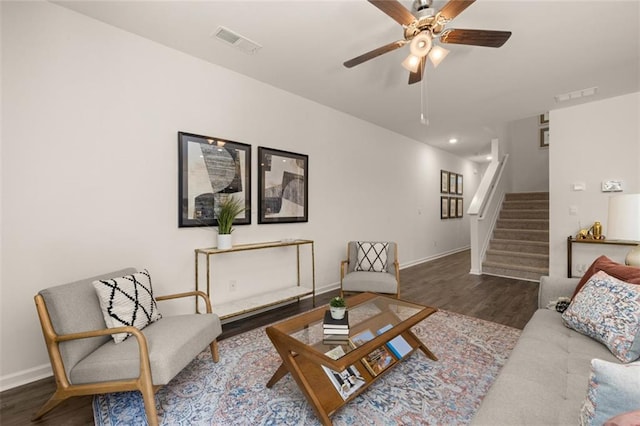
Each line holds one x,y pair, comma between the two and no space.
311,359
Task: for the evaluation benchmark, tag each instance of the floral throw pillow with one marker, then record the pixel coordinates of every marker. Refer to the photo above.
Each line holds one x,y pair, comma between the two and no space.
608,310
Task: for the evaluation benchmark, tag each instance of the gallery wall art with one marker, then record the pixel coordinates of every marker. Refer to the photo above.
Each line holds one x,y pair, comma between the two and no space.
283,183
210,170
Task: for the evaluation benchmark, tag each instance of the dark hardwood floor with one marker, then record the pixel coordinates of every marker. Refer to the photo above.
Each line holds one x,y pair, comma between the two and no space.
443,283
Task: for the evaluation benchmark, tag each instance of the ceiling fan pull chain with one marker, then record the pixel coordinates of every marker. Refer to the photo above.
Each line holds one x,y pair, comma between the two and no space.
423,102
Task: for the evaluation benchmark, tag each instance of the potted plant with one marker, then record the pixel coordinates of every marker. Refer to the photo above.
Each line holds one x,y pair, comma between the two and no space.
337,306
230,207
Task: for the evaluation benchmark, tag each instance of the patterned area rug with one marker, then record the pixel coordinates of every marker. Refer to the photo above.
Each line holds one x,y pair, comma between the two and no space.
418,391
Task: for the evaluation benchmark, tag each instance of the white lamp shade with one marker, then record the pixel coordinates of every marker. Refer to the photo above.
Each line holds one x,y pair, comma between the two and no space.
437,54
624,217
411,63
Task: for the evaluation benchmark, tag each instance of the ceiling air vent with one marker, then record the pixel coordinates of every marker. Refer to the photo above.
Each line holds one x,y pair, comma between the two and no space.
236,40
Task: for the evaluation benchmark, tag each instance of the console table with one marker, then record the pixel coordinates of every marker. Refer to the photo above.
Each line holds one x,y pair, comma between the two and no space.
264,300
571,241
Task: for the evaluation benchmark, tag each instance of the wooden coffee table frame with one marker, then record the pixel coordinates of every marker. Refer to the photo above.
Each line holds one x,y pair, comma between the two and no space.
304,362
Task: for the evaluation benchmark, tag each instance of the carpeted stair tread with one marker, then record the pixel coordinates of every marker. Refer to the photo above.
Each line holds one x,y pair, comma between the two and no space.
514,274
511,196
524,214
522,234
539,224
518,254
525,204
517,267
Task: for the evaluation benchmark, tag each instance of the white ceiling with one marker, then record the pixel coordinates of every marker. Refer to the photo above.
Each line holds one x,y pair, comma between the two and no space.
556,47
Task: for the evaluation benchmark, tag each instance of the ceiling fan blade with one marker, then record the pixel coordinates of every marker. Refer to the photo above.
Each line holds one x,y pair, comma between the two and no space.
415,77
374,53
486,38
395,10
454,8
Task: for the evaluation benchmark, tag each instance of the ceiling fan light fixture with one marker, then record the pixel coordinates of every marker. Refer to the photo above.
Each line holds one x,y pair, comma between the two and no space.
437,54
411,63
421,44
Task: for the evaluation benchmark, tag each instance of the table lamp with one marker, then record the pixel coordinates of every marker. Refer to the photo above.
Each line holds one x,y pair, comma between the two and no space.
624,223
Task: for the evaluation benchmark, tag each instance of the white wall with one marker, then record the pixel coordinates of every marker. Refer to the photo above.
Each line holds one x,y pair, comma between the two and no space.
90,118
529,163
590,143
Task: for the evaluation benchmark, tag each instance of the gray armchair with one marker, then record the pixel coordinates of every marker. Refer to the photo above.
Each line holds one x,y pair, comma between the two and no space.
86,360
369,269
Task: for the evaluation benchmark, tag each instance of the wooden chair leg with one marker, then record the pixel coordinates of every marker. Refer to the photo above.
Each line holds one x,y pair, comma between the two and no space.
214,351
56,399
148,396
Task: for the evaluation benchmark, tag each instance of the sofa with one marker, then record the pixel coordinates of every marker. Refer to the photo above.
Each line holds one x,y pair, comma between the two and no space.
547,376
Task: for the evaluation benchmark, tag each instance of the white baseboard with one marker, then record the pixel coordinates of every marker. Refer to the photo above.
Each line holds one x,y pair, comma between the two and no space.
434,257
23,377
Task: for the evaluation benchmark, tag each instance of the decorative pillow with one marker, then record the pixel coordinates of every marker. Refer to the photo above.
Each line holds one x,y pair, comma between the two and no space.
630,418
613,389
126,301
608,310
628,274
372,257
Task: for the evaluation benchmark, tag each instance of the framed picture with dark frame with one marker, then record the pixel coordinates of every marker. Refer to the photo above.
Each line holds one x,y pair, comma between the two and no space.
452,182
444,207
544,137
459,207
544,118
209,171
459,184
283,182
444,182
452,207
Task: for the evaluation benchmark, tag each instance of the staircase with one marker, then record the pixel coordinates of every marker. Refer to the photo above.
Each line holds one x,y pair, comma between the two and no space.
520,244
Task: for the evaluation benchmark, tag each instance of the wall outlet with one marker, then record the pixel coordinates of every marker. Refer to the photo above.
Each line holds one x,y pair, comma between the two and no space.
233,285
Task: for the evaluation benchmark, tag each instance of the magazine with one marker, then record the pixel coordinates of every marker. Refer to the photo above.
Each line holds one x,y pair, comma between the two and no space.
378,360
346,382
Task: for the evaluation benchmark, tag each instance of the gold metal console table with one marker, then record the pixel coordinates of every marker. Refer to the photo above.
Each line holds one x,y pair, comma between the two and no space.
264,300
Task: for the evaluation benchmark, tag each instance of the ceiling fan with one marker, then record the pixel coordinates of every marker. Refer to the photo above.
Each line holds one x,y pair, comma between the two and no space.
421,30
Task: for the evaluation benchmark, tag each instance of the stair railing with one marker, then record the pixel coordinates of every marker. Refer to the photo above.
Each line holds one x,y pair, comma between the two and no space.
484,210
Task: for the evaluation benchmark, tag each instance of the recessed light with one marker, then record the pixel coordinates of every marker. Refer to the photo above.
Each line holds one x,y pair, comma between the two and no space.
453,140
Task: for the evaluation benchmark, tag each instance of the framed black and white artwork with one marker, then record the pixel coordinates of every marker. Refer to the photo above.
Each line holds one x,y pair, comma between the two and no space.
283,183
444,182
444,207
211,169
452,182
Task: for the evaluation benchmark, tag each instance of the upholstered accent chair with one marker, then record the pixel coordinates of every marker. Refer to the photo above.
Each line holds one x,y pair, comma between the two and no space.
86,360
370,266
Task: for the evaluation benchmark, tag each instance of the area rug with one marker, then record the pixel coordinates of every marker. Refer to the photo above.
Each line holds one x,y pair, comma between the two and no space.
417,391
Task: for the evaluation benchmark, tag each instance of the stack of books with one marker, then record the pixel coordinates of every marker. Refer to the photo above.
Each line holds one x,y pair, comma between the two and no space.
336,331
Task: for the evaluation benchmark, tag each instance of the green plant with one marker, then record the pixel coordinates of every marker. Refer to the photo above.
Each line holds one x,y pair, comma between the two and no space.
338,302
230,207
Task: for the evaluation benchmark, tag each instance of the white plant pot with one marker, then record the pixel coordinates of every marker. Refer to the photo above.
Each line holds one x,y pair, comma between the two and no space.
224,241
337,313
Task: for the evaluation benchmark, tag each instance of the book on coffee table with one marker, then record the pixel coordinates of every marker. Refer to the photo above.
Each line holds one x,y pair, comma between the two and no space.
331,323
378,360
398,345
346,382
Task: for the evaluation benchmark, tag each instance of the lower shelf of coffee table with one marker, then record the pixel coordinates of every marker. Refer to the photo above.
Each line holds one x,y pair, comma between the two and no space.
326,393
